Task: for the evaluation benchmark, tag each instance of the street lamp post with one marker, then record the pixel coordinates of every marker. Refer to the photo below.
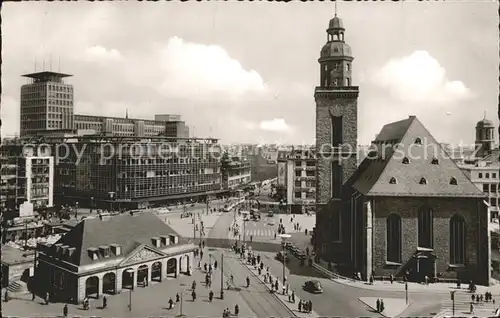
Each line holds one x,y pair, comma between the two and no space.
406,292
284,237
76,210
222,276
207,204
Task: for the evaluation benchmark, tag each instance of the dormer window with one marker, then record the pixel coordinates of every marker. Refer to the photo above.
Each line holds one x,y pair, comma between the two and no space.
93,253
393,180
423,181
418,141
435,161
453,181
406,160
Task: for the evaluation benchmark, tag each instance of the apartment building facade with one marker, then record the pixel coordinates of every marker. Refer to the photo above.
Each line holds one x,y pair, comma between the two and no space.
27,176
297,173
236,172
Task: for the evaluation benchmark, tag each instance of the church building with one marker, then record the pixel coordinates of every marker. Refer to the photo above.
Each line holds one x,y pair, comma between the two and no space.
408,209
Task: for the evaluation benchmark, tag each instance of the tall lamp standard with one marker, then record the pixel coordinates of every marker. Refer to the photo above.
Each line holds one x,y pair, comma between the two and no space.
284,238
76,209
222,276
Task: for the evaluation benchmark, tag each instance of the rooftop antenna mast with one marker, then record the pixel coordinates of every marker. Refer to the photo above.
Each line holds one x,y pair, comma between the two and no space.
335,7
484,114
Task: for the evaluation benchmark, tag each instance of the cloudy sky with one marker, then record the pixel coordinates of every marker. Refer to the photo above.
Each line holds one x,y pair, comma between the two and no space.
246,72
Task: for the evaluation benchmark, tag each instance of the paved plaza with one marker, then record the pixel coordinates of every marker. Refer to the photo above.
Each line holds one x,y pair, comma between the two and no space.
149,301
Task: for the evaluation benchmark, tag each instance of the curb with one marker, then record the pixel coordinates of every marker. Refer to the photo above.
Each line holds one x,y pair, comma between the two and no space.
275,294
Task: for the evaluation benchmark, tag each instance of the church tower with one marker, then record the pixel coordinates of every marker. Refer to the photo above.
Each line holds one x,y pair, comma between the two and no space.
336,116
484,137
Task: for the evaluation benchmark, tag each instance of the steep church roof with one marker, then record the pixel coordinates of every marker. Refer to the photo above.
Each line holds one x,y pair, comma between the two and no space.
408,161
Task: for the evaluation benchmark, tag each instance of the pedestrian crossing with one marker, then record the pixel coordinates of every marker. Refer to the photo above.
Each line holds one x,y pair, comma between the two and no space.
255,233
463,302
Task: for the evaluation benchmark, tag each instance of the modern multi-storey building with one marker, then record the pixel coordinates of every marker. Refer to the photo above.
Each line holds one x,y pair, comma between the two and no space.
47,104
236,172
133,172
297,173
27,176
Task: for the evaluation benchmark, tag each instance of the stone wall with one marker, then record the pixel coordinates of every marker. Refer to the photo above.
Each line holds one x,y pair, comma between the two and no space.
443,209
325,108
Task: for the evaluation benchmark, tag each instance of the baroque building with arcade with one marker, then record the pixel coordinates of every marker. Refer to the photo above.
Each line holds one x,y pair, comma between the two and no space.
109,254
407,209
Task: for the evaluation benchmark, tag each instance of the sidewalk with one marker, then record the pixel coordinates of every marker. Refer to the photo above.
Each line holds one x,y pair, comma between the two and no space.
393,306
184,226
293,307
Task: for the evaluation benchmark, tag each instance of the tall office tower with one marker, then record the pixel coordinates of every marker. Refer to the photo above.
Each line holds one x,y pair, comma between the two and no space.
46,103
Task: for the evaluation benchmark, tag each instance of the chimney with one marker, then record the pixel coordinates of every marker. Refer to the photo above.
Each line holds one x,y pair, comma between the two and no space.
58,249
165,240
71,252
65,251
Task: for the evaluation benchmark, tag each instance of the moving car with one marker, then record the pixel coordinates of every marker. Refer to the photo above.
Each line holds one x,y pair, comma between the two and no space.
313,286
271,223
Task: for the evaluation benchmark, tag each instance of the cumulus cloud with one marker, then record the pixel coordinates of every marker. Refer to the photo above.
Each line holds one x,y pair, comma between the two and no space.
200,71
101,54
276,124
419,78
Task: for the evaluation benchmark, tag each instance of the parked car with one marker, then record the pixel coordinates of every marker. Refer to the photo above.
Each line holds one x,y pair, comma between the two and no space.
313,286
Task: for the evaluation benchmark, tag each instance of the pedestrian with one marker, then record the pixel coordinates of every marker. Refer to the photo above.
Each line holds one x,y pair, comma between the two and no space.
170,303
287,288
205,267
193,294
260,271
471,308
271,280
378,305
276,285
251,238
310,306
203,244
145,282
300,306
473,297
382,307
236,310
177,298
33,296
201,254
265,279
215,265
65,310
283,289
104,302
210,296
46,298
258,259
248,282
274,235
293,296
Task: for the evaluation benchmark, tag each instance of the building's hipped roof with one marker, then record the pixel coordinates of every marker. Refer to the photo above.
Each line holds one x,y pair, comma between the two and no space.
384,173
125,230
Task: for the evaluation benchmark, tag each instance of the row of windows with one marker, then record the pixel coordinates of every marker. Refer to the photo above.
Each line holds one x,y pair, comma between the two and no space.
338,67
393,180
425,236
59,88
309,173
307,184
308,195
406,160
60,95
489,188
338,82
487,175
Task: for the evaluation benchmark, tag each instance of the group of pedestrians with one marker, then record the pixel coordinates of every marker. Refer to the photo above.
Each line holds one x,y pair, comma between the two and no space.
171,304
380,305
305,306
480,298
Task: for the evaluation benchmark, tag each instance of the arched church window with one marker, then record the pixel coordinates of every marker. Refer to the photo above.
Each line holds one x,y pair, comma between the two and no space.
347,67
393,240
457,240
347,82
425,228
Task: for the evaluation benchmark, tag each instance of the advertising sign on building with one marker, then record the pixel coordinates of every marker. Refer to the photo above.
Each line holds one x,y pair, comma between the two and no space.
281,173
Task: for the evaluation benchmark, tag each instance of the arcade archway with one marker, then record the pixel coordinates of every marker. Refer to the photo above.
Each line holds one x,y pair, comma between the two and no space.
128,278
156,271
184,265
142,275
172,267
109,283
92,287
